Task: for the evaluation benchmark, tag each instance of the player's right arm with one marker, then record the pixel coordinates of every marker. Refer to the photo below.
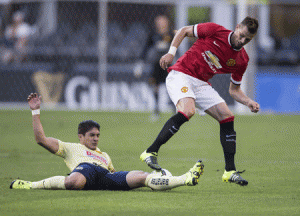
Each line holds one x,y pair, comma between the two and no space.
49,143
167,59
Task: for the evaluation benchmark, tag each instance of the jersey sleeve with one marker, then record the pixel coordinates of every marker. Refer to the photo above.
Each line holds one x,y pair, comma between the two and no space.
61,149
236,78
203,30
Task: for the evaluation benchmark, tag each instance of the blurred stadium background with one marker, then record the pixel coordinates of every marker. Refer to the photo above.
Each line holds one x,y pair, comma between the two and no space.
80,55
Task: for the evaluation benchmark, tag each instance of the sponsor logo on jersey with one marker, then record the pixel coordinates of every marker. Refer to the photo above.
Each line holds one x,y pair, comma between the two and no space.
212,61
184,89
230,62
97,157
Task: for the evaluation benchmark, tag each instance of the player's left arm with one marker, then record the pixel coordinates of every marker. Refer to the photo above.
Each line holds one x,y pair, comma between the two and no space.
237,94
49,143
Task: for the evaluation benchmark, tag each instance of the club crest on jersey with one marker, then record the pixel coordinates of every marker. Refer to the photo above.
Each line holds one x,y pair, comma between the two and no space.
184,89
230,62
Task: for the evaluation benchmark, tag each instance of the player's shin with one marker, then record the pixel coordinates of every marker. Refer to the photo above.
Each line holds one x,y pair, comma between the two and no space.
169,129
160,183
52,183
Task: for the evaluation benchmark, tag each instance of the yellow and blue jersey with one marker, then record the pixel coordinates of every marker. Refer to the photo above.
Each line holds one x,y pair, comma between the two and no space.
76,153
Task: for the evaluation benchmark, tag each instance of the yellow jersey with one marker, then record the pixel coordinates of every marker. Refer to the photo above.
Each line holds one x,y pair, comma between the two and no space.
76,153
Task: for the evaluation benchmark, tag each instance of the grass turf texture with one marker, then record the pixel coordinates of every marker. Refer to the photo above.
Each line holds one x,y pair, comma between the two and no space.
267,147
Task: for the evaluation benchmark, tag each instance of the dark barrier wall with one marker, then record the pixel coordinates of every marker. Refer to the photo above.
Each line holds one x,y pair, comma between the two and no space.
277,89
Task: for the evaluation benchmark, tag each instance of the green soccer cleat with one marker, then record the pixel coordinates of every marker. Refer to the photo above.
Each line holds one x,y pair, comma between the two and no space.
20,184
235,177
150,159
194,174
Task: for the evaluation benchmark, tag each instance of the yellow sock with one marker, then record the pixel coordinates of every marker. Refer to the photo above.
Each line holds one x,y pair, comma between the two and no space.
53,183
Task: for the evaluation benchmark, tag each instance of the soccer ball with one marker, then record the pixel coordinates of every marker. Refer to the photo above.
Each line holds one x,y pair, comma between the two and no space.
162,172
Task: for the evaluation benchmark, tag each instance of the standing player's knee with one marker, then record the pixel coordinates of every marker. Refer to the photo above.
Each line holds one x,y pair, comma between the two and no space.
189,111
187,106
226,114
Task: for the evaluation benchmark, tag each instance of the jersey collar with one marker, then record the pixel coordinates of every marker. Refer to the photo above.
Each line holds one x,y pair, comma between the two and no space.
230,43
98,150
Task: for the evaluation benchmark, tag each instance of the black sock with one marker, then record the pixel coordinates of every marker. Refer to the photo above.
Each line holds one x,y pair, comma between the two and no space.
168,130
228,141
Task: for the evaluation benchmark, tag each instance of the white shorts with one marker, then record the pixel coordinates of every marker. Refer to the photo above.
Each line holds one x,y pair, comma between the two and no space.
180,85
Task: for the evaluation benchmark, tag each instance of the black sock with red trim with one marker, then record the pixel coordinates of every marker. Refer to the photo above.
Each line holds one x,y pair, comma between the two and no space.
228,141
168,130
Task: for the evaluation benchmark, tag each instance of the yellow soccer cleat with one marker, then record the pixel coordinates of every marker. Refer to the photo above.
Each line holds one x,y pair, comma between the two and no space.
235,177
194,174
150,159
20,184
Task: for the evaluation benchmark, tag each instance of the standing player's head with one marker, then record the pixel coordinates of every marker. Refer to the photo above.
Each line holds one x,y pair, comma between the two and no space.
244,32
251,24
88,133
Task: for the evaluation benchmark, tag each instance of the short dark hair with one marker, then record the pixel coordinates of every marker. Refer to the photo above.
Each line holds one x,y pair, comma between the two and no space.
251,23
87,125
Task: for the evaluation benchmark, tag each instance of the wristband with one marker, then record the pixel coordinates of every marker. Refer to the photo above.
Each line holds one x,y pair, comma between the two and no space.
35,112
172,50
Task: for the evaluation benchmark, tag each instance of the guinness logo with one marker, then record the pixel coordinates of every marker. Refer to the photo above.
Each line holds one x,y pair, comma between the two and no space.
50,86
230,62
184,89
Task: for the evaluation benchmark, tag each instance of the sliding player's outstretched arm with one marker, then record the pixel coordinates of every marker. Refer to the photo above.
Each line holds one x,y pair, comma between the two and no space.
51,144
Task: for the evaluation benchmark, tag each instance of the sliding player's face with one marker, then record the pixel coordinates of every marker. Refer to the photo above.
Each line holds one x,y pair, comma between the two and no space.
241,36
91,138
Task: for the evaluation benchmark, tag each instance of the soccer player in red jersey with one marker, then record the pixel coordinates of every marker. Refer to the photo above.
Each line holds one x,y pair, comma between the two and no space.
216,51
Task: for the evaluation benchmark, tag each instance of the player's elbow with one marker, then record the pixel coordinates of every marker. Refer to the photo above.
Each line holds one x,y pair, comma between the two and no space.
231,92
48,147
184,31
234,90
40,139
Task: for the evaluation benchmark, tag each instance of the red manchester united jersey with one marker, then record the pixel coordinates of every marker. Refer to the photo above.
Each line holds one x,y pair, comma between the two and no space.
212,54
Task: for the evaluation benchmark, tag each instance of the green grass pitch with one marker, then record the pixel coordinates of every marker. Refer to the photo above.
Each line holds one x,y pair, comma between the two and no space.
268,148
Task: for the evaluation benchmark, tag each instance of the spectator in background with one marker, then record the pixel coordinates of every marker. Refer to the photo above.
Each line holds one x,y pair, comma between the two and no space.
157,44
16,37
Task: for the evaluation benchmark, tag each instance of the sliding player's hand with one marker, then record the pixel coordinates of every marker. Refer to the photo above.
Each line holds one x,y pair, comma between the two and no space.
34,101
166,60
